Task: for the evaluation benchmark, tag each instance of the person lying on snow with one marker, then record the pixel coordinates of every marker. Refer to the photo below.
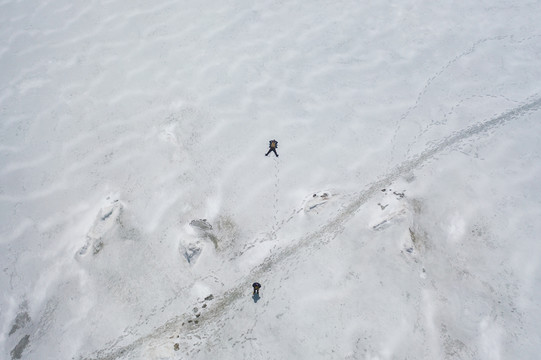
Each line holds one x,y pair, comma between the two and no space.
273,145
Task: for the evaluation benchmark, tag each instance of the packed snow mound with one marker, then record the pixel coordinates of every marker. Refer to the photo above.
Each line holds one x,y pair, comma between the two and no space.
394,209
108,217
315,202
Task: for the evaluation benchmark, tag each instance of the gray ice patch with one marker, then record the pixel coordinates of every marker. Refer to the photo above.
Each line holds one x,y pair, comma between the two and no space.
201,224
192,252
17,351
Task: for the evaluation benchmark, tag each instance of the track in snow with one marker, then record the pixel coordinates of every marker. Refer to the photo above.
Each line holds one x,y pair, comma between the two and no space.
327,232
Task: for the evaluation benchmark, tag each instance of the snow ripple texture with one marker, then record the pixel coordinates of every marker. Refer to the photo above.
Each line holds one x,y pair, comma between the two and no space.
400,220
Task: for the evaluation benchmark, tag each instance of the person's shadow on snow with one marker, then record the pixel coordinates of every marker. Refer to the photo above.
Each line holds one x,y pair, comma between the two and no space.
256,297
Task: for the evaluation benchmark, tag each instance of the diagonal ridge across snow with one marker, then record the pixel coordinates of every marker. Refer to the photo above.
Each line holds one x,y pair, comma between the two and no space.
330,230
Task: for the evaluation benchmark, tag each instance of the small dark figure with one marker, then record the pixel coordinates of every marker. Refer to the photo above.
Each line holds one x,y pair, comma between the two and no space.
273,145
256,287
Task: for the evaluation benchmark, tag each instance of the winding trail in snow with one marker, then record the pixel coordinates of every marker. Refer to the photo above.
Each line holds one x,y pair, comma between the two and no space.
512,39
326,233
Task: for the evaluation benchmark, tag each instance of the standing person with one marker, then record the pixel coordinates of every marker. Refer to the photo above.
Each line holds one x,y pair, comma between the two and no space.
256,287
273,145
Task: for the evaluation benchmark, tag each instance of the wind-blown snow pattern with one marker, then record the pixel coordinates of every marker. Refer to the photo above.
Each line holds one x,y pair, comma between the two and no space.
400,221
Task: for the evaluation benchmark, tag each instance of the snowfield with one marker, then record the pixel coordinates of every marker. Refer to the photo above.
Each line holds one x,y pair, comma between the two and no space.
400,221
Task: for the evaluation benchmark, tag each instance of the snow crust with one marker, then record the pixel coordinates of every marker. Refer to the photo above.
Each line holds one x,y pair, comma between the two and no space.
401,220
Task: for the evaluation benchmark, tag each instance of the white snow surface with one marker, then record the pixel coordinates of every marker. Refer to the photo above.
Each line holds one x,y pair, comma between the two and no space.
401,220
